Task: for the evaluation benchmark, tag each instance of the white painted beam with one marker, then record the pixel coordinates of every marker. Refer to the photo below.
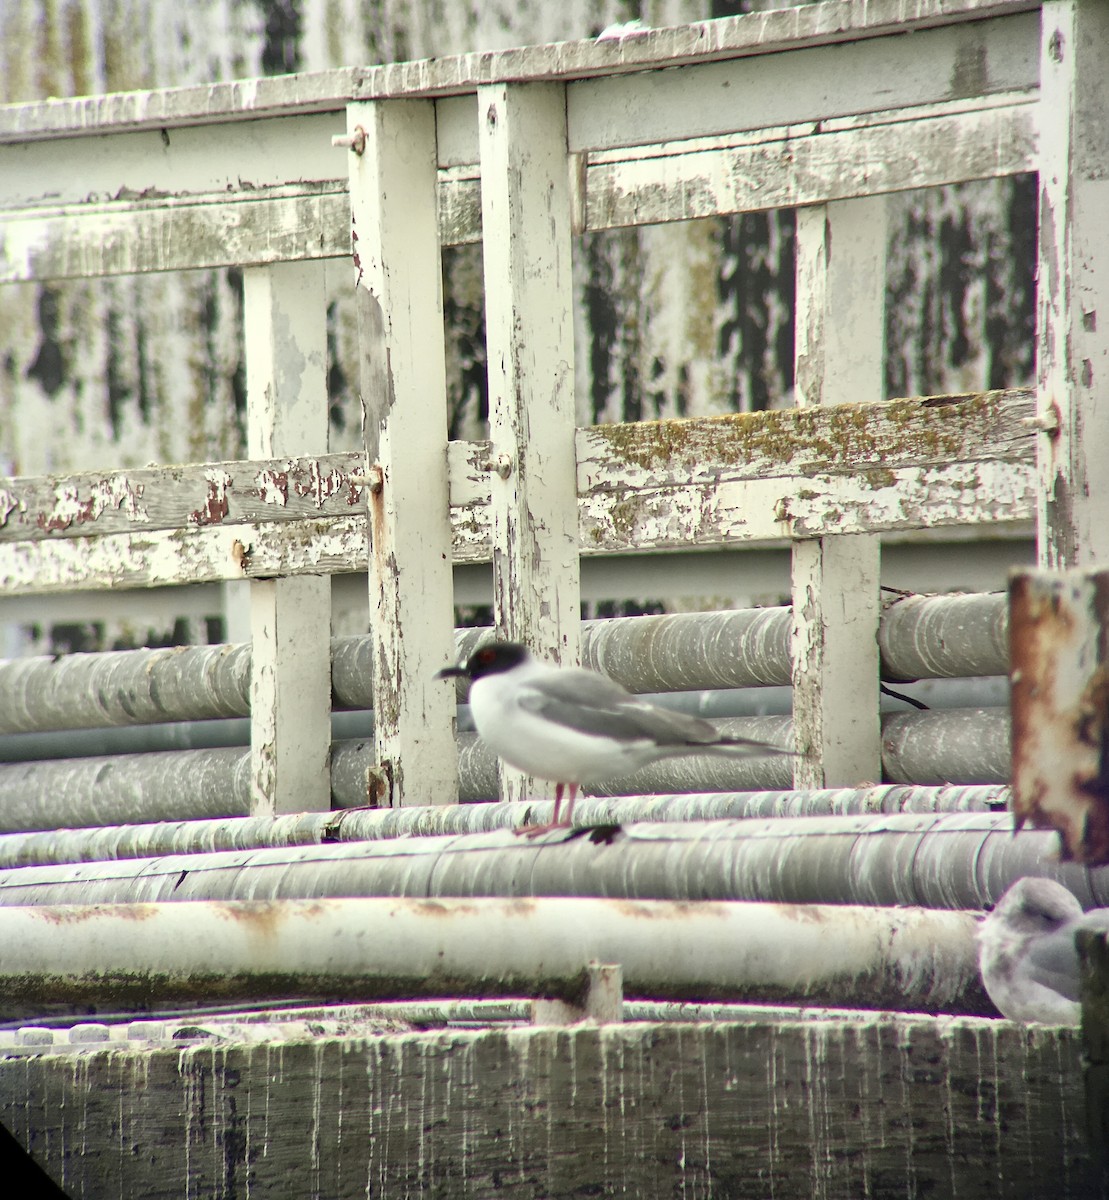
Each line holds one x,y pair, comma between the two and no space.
290,619
841,257
400,309
526,218
1073,292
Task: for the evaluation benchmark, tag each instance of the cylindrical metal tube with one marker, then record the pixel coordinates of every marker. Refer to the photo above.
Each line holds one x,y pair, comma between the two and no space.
920,636
362,824
124,788
955,860
930,636
124,687
968,745
963,746
365,949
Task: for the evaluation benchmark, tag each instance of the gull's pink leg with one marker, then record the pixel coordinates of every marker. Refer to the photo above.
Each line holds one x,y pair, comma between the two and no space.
558,803
531,831
572,788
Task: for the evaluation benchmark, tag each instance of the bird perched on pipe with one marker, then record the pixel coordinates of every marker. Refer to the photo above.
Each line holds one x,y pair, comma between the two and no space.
574,727
1027,954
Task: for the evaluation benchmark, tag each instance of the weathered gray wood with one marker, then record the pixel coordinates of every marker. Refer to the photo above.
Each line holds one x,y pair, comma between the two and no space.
841,285
254,550
146,499
530,338
758,33
702,481
674,181
124,239
398,277
285,333
814,84
1073,291
887,1107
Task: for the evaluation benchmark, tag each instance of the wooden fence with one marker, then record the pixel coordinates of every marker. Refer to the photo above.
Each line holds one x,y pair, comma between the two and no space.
827,109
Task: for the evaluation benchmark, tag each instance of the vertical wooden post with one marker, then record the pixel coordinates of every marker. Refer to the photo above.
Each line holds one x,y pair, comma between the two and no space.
840,321
526,222
394,205
1073,293
290,619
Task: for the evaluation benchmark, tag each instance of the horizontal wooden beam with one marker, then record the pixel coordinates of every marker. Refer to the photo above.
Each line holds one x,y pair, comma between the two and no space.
690,483
147,499
809,165
772,168
764,33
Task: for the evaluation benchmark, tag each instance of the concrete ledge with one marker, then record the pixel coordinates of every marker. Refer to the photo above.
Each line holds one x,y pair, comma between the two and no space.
893,1106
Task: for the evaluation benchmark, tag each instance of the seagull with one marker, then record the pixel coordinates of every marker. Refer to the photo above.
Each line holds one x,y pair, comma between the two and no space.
1027,955
573,726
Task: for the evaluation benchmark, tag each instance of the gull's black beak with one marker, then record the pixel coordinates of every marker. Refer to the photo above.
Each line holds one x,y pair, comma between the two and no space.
447,672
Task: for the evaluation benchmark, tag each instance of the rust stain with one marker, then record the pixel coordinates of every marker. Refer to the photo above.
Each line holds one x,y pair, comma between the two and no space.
266,917
240,555
75,914
1060,709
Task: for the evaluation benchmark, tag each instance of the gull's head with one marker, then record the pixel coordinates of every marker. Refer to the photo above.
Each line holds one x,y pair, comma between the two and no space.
492,658
1035,906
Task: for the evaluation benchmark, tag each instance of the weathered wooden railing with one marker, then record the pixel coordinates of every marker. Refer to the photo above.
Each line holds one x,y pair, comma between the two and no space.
828,109
671,125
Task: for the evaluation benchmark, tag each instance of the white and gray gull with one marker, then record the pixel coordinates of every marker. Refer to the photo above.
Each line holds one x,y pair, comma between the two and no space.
1027,954
574,726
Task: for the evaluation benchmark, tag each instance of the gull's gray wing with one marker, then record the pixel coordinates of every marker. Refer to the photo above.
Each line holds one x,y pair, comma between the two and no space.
1053,960
590,703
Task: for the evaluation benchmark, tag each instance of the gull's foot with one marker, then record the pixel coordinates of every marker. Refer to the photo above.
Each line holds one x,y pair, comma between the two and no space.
534,831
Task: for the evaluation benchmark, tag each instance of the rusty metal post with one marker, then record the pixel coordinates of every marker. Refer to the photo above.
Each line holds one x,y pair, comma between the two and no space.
1059,649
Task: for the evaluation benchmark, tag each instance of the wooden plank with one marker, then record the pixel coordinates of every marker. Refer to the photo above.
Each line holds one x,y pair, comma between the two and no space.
866,1104
761,33
841,284
146,499
397,262
238,159
285,334
203,554
530,339
671,516
1073,291
789,443
212,231
746,511
809,165
936,65
801,466
777,167
835,583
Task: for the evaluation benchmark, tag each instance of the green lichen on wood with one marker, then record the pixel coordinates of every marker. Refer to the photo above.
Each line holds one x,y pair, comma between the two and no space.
929,428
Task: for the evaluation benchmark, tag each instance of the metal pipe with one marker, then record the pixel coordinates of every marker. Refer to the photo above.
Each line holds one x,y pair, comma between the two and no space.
952,860
921,636
984,692
360,824
929,636
124,788
124,687
364,949
960,746
963,745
